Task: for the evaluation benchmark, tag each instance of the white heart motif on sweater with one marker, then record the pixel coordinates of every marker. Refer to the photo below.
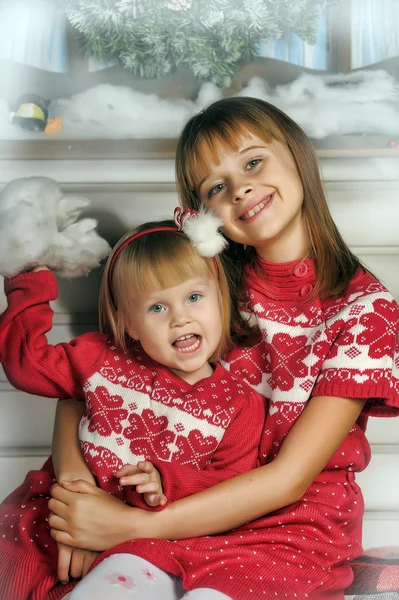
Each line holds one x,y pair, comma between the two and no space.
361,378
273,410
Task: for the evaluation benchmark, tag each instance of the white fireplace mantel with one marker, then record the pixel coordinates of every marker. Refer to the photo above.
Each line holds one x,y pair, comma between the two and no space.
136,171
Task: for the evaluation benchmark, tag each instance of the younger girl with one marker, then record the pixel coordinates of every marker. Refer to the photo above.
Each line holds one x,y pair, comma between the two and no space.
328,358
151,393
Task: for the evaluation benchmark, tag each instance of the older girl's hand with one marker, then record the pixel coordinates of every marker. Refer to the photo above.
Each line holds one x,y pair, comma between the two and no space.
84,516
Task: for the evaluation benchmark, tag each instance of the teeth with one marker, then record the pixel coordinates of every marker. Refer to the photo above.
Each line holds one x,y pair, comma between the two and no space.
184,337
189,348
253,211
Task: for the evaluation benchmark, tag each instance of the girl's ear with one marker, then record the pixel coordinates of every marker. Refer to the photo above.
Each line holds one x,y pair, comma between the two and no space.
133,334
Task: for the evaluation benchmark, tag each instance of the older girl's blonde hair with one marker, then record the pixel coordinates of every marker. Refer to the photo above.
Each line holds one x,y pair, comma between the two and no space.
154,261
222,125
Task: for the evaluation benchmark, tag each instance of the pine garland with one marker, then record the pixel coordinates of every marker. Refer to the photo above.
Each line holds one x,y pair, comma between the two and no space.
152,37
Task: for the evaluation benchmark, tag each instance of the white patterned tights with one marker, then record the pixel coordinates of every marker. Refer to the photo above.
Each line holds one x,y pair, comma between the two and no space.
128,577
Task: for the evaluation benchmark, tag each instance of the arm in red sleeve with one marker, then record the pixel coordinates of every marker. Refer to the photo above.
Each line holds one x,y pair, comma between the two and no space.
237,453
29,362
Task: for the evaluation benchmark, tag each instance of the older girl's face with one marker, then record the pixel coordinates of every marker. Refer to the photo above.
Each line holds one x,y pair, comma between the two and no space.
257,192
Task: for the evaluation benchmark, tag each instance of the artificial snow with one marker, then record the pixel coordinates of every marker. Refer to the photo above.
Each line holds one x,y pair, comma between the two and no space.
41,226
362,102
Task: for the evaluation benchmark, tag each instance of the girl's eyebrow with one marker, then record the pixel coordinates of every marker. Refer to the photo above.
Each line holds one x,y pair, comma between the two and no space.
252,148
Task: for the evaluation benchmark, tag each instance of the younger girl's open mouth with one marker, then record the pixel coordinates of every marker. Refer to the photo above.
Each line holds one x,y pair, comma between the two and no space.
187,343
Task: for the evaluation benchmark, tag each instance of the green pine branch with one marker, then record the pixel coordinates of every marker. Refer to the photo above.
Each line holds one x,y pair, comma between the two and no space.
210,41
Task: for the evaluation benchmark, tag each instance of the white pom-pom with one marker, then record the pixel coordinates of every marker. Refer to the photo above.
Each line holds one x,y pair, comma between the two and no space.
203,231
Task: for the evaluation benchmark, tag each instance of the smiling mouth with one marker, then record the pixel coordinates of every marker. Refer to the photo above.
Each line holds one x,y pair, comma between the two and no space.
258,208
187,343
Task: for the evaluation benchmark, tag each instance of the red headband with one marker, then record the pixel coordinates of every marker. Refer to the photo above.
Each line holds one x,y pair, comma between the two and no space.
127,241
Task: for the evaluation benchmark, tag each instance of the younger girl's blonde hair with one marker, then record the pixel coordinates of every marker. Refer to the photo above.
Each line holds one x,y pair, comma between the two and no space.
154,261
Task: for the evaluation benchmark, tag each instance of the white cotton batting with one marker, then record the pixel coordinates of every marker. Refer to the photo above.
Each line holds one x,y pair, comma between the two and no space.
203,231
39,225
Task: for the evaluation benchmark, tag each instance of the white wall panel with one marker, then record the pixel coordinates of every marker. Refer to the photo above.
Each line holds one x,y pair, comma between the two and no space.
366,214
25,420
380,529
380,482
384,263
13,470
383,431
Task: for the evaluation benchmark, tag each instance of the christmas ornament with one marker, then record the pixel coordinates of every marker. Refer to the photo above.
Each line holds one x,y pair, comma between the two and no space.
30,112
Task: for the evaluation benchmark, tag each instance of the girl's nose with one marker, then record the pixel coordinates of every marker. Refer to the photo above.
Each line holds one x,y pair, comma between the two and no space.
242,192
179,318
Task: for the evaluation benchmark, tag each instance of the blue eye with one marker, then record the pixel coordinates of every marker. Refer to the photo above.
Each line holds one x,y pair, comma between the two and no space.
157,308
216,189
253,163
194,297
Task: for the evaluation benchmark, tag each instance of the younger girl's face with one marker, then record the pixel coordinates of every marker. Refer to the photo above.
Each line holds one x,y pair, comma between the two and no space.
179,327
257,192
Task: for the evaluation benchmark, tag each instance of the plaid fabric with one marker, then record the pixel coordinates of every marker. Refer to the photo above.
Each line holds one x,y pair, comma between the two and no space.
376,575
384,596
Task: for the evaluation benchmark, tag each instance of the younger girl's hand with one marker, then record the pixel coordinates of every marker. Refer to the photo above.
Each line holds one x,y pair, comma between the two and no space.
74,562
147,480
40,268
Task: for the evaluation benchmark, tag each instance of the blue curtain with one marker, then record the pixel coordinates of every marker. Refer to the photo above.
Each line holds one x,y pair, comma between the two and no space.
33,32
375,31
290,48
